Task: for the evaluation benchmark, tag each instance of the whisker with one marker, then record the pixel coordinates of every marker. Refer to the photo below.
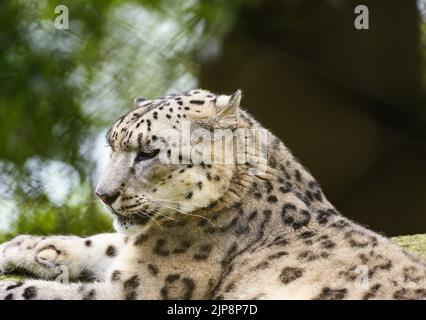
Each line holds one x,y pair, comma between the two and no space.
141,214
170,204
167,200
160,214
150,211
191,214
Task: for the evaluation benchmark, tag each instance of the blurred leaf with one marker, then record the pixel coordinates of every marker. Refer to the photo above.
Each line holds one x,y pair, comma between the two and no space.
59,89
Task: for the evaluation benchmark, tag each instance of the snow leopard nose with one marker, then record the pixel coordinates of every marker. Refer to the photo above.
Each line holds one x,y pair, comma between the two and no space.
109,199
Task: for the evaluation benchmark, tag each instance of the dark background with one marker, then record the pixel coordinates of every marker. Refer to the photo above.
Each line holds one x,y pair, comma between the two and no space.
350,104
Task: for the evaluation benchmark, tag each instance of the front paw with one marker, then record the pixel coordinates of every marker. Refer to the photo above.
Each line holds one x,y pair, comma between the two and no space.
25,253
40,256
14,252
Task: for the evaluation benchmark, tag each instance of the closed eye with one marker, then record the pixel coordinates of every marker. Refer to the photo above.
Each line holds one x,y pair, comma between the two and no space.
143,156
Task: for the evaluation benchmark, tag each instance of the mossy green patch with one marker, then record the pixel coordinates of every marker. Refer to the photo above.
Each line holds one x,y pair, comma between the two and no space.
415,243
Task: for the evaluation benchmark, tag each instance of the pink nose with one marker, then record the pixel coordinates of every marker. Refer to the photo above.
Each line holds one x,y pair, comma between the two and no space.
109,199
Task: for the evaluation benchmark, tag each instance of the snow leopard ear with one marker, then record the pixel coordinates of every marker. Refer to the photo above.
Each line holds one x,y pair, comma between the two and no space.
137,101
227,108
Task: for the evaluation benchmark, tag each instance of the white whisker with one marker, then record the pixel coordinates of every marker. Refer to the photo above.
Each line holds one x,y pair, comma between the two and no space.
166,200
160,214
190,214
140,213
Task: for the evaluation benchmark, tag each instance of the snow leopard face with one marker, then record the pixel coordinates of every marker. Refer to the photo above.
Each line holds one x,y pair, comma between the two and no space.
149,178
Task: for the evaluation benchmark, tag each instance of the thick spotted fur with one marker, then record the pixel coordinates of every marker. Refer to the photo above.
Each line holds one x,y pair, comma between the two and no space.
211,231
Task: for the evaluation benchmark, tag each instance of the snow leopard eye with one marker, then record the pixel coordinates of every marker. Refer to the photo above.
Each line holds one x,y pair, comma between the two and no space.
143,156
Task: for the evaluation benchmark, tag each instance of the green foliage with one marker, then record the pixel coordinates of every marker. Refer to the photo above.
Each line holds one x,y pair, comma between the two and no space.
60,88
80,215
